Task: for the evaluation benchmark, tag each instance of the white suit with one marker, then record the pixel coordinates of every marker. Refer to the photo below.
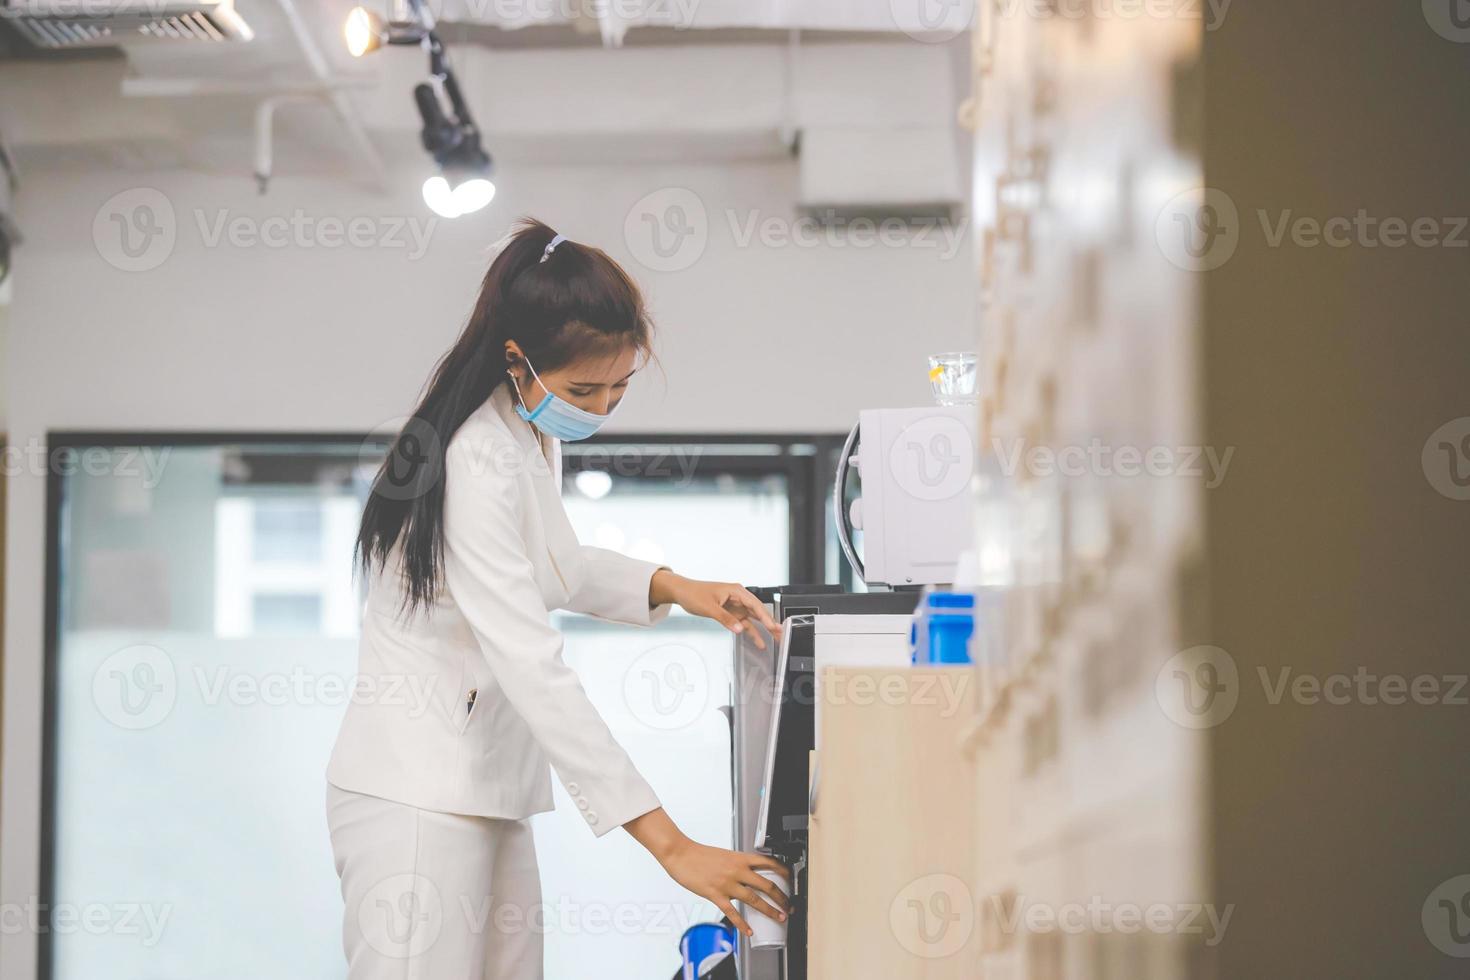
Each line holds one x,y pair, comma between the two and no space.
458,711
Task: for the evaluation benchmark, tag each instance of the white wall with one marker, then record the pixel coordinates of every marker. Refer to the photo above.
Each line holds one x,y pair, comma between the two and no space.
258,337
755,337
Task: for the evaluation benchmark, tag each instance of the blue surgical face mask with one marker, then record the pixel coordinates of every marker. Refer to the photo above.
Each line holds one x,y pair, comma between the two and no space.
557,417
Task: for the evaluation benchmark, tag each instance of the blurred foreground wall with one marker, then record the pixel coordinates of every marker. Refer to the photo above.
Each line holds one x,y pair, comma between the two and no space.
1226,361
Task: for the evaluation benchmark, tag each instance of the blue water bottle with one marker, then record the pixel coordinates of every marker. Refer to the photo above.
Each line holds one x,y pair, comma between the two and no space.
703,945
943,625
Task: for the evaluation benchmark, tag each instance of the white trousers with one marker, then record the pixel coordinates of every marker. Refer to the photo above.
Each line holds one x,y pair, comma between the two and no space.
434,896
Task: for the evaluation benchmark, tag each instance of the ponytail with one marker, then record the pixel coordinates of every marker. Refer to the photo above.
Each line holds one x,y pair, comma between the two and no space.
560,304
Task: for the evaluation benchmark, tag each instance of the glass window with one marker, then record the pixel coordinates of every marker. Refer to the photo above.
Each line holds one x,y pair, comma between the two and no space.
284,612
204,636
619,916
286,530
198,684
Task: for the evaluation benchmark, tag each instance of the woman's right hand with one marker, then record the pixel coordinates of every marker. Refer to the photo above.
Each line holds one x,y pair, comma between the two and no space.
723,876
712,872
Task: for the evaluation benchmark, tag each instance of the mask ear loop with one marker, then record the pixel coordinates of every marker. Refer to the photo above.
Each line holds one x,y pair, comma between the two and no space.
544,401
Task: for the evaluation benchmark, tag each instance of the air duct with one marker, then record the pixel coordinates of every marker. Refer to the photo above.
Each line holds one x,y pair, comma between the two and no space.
51,25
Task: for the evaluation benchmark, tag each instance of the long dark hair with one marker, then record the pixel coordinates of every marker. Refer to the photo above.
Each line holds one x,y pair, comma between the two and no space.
576,304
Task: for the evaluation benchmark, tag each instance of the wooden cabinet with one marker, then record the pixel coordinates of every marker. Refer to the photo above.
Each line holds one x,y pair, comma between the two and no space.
892,829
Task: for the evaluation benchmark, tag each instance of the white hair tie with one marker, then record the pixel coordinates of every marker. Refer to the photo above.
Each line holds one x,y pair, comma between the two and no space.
551,246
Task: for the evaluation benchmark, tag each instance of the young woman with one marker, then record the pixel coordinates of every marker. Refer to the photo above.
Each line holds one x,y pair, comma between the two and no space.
463,695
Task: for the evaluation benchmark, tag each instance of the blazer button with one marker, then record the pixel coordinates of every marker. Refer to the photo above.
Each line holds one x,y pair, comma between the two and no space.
572,788
581,803
592,818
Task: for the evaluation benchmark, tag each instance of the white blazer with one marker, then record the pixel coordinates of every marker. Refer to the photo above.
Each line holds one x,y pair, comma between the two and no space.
459,709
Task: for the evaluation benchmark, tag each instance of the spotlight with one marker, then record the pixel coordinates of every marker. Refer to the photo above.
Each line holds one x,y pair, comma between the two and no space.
452,200
365,31
463,183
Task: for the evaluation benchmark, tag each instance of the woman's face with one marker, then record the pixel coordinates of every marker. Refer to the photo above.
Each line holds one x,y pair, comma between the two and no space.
593,384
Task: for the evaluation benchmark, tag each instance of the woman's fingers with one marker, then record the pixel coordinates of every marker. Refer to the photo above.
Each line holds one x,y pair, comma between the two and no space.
740,615
748,607
754,900
770,889
731,605
728,907
769,864
727,619
762,614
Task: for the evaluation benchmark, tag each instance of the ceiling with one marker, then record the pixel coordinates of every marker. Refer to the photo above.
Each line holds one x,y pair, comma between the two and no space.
195,105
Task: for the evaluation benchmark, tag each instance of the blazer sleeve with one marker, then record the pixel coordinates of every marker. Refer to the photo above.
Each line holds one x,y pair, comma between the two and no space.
490,577
614,587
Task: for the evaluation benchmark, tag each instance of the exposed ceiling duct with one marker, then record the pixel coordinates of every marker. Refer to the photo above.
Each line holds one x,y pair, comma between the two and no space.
833,95
52,25
614,19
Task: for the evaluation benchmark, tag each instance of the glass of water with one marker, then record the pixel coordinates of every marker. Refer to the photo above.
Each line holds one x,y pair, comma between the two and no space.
953,377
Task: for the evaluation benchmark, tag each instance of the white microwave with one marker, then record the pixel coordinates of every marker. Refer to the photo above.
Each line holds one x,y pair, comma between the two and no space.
914,507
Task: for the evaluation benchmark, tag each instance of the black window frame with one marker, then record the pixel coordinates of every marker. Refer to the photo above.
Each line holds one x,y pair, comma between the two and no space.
807,461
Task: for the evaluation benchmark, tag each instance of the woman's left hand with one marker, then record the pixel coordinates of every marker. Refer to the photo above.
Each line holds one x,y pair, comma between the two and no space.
728,603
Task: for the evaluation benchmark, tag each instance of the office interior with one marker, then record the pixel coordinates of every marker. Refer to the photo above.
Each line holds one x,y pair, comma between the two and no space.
1137,330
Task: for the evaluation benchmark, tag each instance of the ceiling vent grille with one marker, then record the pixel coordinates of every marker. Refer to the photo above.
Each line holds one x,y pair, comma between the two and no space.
55,26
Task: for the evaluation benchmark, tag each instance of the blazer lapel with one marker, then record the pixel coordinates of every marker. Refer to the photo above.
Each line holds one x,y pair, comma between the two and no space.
561,539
